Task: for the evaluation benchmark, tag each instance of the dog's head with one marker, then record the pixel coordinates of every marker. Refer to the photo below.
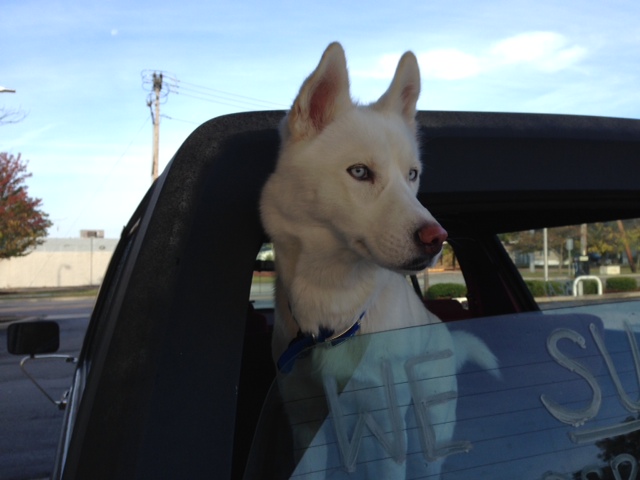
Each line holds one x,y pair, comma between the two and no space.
348,175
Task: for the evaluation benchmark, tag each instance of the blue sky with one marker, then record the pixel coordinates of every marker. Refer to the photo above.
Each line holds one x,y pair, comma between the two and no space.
76,68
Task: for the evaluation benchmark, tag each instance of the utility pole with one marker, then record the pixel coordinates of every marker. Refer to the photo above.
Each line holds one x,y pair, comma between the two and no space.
627,249
160,84
157,88
583,239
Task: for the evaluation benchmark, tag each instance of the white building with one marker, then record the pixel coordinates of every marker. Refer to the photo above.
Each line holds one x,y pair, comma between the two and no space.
59,262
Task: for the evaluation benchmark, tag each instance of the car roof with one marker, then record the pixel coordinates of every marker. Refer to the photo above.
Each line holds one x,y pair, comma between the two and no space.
489,170
165,342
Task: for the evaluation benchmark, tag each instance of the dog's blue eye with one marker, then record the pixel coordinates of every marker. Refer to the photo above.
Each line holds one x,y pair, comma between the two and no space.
413,174
359,172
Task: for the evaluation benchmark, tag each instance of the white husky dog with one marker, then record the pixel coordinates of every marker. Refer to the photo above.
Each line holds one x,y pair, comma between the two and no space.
342,213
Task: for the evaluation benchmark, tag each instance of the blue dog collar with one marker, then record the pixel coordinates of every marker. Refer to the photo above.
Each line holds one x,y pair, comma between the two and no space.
304,341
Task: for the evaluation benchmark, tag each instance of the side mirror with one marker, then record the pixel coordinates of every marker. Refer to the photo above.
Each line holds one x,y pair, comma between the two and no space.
33,338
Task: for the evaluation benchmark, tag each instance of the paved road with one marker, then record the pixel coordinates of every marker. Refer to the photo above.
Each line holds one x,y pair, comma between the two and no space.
29,422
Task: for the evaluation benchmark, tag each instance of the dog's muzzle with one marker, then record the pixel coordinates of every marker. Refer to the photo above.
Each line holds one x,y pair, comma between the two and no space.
430,238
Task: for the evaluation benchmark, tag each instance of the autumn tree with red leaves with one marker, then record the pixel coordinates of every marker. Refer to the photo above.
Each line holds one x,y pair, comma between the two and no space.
23,225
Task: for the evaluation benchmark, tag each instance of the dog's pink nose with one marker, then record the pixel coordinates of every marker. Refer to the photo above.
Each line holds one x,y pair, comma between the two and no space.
431,236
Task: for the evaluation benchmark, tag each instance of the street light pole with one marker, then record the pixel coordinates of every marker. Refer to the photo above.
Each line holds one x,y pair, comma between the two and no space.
6,90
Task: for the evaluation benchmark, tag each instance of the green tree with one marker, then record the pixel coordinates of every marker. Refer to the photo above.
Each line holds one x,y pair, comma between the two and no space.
23,225
603,238
531,241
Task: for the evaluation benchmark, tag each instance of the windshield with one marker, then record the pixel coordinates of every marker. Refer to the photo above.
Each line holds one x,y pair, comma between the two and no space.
562,405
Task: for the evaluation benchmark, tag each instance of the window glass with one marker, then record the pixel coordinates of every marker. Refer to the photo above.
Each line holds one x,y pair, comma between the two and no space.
578,264
442,284
263,283
563,403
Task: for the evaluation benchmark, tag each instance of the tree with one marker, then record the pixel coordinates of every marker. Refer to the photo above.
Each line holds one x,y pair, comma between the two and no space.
612,447
11,116
23,225
531,241
610,240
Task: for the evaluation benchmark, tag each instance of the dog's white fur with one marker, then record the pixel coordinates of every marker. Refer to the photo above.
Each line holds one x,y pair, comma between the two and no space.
342,213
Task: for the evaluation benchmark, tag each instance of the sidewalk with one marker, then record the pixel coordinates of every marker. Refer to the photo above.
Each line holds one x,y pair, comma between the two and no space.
40,304
64,292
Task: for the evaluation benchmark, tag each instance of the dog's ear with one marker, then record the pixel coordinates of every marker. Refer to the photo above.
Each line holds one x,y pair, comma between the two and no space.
323,95
402,95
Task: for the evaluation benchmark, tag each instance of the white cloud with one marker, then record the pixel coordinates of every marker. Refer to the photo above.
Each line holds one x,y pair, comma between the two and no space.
545,51
542,51
444,64
449,64
383,68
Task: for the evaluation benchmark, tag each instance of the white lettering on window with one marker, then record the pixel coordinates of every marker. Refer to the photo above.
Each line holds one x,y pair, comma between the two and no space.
564,414
394,443
395,447
624,398
577,418
424,403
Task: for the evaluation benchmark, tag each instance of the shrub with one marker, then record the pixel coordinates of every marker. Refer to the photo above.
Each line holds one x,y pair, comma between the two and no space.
590,287
621,284
539,288
446,290
536,287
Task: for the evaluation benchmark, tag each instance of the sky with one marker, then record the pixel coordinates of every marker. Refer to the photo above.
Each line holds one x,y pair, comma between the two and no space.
81,71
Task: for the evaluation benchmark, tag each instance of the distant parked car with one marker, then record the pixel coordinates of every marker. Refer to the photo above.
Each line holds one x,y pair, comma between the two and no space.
175,378
266,253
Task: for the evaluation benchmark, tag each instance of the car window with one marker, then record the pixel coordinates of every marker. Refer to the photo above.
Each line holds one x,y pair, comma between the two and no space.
263,281
563,405
586,263
443,285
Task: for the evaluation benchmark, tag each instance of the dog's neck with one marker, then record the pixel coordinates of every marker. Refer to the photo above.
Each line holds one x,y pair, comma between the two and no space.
324,293
327,285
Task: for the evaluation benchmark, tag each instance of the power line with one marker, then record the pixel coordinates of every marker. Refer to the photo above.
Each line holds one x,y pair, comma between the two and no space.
171,84
228,103
149,79
213,98
160,83
179,119
215,93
